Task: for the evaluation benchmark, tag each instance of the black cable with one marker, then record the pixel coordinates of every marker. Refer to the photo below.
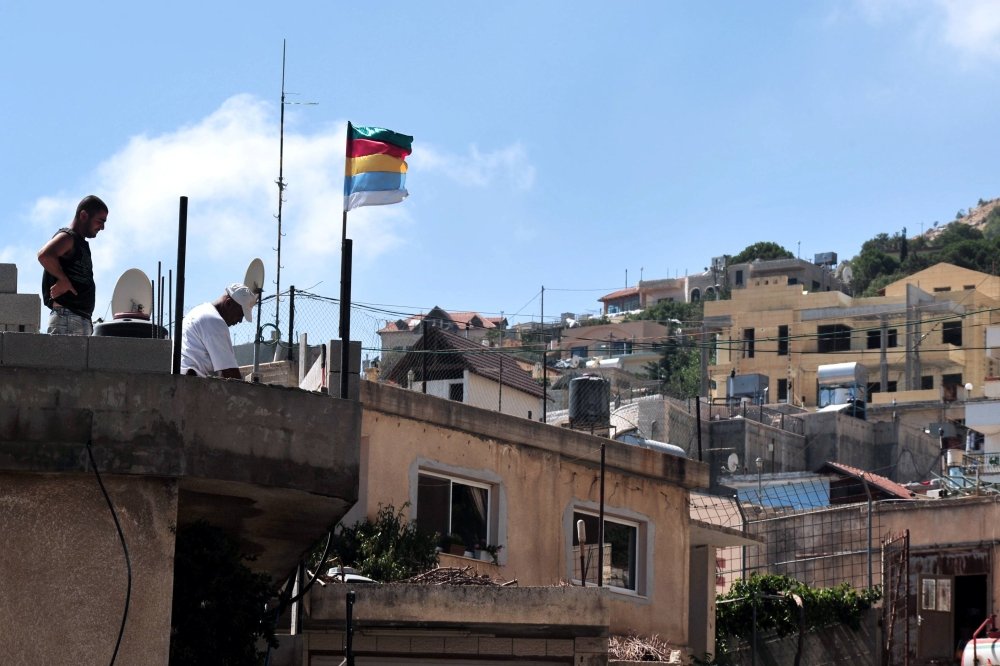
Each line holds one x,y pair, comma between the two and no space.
128,561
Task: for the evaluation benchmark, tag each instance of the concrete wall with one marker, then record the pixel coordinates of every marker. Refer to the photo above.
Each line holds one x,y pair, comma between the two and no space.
272,466
540,474
63,570
472,624
18,312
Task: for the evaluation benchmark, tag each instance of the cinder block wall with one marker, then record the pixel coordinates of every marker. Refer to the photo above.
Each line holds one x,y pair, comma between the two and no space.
73,352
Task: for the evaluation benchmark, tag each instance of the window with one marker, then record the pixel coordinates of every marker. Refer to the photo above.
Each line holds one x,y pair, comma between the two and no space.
782,341
739,278
875,338
815,286
782,390
578,351
456,392
621,347
926,382
621,547
938,290
793,280
449,506
833,338
748,343
935,594
951,333
695,295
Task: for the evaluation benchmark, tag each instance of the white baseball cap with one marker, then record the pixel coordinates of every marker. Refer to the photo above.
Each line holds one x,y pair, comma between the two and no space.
242,295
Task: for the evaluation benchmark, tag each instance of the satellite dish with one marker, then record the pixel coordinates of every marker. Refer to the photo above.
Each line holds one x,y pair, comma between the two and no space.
133,296
255,276
733,462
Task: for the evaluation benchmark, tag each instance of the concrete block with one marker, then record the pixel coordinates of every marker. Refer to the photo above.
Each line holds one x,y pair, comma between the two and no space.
8,278
129,354
393,644
590,645
529,647
455,645
427,645
495,646
363,642
555,647
21,310
32,350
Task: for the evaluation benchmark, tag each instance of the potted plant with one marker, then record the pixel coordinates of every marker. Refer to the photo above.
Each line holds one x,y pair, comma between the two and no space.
456,544
493,552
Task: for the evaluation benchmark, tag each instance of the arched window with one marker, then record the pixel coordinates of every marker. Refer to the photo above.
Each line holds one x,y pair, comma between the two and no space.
695,295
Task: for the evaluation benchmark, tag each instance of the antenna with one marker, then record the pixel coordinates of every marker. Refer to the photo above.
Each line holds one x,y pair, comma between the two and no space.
281,185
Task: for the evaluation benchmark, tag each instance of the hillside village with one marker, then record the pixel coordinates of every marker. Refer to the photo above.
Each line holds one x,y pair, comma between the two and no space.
833,438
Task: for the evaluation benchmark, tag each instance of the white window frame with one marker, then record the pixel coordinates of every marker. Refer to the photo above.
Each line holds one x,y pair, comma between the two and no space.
643,537
495,534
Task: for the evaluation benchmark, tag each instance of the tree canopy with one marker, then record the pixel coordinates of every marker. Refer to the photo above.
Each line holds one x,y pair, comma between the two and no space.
763,250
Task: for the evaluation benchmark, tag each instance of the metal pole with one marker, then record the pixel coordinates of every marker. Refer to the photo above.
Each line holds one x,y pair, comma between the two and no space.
545,369
697,416
181,255
600,529
423,359
345,313
281,189
349,629
500,385
291,322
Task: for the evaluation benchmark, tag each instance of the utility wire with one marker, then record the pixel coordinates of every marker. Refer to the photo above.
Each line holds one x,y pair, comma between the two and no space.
121,538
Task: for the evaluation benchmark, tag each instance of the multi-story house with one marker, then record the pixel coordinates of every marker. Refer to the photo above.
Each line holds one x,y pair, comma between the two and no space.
922,339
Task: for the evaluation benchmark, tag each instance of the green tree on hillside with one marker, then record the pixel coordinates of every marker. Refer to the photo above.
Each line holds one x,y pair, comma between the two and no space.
763,250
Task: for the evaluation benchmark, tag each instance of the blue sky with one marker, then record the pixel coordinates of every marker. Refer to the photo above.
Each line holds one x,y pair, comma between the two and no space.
570,145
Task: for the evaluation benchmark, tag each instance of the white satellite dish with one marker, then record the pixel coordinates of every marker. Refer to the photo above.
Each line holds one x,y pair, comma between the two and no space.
733,462
255,276
133,296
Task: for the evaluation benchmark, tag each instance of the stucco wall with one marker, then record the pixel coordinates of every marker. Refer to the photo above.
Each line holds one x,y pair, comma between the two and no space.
540,474
63,575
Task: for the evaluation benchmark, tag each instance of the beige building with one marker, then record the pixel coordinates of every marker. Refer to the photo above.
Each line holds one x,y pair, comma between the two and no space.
923,340
495,479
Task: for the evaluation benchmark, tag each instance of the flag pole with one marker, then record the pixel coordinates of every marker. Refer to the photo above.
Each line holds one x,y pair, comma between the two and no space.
345,294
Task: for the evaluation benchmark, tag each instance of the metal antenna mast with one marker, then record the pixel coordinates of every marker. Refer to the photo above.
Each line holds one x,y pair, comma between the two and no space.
281,190
281,185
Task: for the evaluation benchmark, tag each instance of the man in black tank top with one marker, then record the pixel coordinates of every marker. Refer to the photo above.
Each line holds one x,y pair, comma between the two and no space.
68,281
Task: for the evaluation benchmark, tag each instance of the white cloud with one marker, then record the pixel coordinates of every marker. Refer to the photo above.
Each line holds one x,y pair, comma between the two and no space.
479,169
971,28
227,165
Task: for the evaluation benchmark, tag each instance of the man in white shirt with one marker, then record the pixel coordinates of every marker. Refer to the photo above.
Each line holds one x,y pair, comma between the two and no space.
206,348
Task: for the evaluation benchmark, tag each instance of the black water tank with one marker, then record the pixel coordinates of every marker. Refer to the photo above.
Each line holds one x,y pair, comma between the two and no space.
129,328
589,398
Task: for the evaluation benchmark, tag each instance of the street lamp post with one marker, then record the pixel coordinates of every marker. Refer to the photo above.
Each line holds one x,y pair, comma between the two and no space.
760,468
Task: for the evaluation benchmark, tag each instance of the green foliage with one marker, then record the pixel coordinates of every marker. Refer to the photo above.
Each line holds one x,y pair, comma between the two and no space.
388,548
665,312
955,233
778,613
679,367
218,610
991,226
762,250
870,264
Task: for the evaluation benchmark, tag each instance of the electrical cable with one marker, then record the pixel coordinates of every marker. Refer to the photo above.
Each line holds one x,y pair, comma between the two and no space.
121,538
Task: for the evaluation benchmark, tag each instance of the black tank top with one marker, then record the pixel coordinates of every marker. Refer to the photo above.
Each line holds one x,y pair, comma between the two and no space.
80,271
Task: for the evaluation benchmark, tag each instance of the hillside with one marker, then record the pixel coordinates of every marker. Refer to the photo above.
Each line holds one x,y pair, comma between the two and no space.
975,217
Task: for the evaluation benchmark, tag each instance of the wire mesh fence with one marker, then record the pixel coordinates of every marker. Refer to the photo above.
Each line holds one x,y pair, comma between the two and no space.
801,529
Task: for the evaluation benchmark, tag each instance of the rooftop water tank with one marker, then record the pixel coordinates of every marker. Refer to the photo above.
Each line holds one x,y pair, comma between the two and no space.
589,402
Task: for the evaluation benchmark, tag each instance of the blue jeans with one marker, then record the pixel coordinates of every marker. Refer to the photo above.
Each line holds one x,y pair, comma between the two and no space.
64,322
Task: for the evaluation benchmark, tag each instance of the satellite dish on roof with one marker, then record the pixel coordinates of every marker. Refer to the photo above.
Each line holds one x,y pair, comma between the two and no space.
733,462
255,276
133,296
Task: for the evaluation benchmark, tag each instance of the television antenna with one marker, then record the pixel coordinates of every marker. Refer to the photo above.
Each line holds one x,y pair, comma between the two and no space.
282,184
